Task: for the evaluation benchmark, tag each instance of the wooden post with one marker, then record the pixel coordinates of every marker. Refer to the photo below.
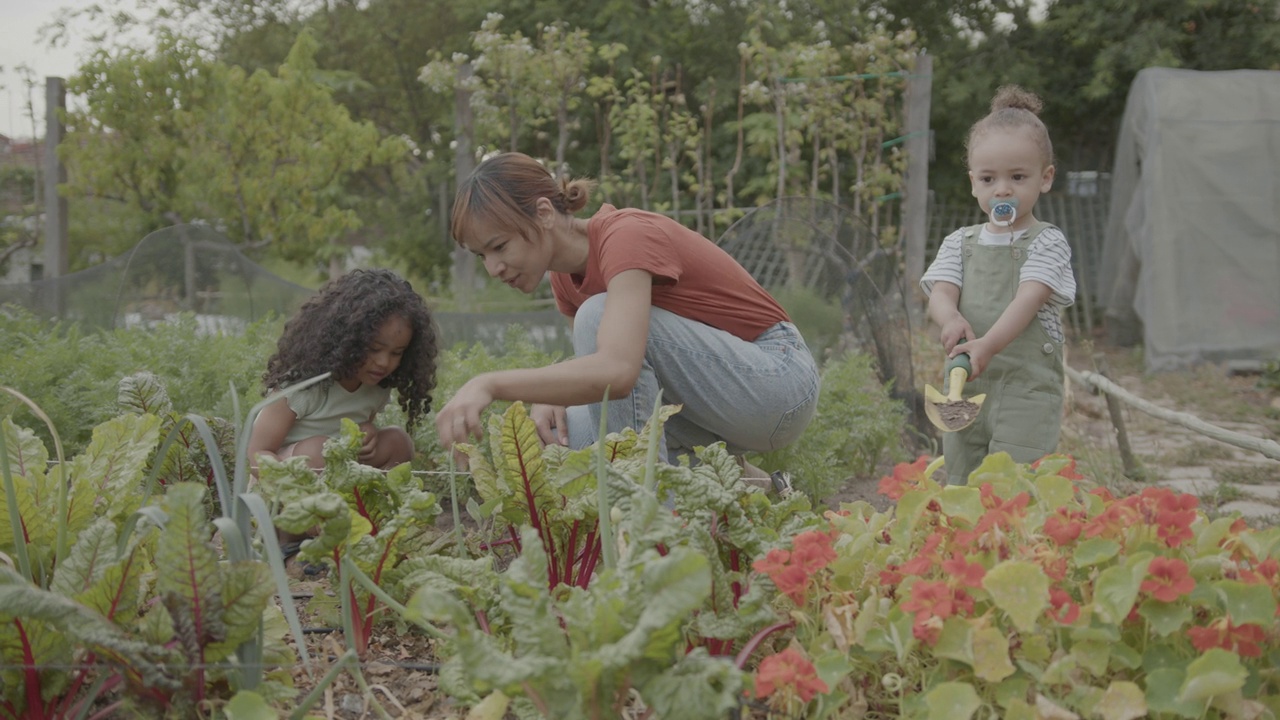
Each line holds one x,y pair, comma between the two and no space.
55,173
1130,464
915,210
464,162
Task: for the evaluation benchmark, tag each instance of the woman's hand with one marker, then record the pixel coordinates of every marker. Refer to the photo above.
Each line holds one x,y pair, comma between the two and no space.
459,419
553,427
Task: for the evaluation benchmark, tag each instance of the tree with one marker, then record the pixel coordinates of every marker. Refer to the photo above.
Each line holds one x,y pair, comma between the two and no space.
265,157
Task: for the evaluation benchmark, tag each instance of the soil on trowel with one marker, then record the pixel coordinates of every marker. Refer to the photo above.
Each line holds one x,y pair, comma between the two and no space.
955,415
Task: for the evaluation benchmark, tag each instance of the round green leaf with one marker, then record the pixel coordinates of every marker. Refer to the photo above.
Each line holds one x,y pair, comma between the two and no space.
1123,700
1215,673
952,701
1020,589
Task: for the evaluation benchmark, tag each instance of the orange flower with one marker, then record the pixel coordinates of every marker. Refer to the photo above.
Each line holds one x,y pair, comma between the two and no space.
928,557
1240,639
930,599
773,562
789,669
905,477
1174,514
1167,579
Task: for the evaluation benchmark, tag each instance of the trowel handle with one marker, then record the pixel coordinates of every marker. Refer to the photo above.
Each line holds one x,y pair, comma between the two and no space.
958,372
959,361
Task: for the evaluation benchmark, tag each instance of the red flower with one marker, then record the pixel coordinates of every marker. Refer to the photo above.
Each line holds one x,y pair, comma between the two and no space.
792,581
930,599
773,562
1167,579
964,572
890,575
789,669
812,551
1063,609
1062,527
905,477
1174,514
1240,639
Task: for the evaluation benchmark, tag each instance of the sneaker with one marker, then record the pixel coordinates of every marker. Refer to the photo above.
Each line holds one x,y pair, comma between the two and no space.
781,481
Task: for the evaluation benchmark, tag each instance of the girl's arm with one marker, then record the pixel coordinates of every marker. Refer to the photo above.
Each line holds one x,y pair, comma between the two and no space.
1031,296
620,345
270,429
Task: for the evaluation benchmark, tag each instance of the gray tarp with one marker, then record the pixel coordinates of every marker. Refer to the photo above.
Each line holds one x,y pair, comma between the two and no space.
1192,251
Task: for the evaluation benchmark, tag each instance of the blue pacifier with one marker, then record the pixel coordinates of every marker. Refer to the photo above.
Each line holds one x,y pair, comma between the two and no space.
1004,212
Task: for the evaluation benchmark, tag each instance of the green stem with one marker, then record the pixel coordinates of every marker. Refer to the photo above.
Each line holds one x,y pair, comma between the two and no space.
457,516
603,507
357,575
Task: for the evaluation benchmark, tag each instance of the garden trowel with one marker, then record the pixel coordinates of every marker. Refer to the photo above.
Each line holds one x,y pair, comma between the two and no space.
951,412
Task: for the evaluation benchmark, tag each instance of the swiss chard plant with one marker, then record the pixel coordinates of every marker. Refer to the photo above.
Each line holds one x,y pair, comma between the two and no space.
367,520
660,517
116,589
1026,594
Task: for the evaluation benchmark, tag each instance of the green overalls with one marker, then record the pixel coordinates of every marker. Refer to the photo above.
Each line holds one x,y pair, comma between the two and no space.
1022,414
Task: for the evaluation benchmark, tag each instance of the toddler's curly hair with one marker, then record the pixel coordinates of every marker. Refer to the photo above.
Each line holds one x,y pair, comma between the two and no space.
334,329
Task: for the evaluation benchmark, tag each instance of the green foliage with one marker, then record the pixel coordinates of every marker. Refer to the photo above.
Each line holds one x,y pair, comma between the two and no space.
1270,377
662,620
857,427
1026,594
269,156
73,374
820,321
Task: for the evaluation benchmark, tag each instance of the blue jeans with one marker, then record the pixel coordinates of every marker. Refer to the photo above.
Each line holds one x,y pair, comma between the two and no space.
755,396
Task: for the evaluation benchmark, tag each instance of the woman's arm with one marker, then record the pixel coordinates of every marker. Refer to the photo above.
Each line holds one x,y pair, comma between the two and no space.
620,346
270,429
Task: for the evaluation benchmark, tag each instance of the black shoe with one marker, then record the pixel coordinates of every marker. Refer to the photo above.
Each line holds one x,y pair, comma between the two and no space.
781,481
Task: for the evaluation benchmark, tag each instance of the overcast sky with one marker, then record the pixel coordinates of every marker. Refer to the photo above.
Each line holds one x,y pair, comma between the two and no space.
19,22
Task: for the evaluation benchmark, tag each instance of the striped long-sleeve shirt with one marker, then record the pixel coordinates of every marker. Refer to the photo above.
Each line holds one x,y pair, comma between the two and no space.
1048,262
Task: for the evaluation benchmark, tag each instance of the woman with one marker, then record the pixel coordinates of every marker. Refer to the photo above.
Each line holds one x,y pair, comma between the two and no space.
653,306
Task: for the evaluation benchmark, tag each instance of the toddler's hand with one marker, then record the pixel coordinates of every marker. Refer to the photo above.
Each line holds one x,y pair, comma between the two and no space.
979,355
552,426
957,330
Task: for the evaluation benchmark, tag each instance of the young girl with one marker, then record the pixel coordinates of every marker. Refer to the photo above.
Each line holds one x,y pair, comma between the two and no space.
997,289
653,306
374,334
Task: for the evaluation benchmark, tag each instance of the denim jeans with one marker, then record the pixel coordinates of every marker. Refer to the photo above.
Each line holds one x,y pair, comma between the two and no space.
756,396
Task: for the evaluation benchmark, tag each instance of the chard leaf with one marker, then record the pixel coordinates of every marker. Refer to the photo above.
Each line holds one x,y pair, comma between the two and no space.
143,393
113,464
187,565
245,591
698,686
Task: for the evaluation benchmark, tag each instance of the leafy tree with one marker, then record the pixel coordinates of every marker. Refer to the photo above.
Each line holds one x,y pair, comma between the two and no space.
267,157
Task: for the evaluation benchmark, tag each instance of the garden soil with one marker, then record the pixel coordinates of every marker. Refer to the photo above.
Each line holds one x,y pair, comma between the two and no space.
399,667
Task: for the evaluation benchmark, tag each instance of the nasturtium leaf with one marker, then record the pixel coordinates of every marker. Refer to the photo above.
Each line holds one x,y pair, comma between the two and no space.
1054,491
961,501
866,617
1162,694
1262,543
910,507
1165,618
1214,673
1035,647
1019,709
1125,657
955,640
1001,471
1209,538
1117,588
1012,691
1123,700
1094,551
1092,655
1020,589
952,701
1247,603
991,655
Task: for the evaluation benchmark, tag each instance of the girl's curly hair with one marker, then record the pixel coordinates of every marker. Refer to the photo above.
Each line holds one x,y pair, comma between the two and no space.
333,330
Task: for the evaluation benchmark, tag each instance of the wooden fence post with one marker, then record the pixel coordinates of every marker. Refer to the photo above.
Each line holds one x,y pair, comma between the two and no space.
915,211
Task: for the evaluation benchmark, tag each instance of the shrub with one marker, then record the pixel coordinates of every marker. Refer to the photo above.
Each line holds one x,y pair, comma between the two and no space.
857,426
1025,594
